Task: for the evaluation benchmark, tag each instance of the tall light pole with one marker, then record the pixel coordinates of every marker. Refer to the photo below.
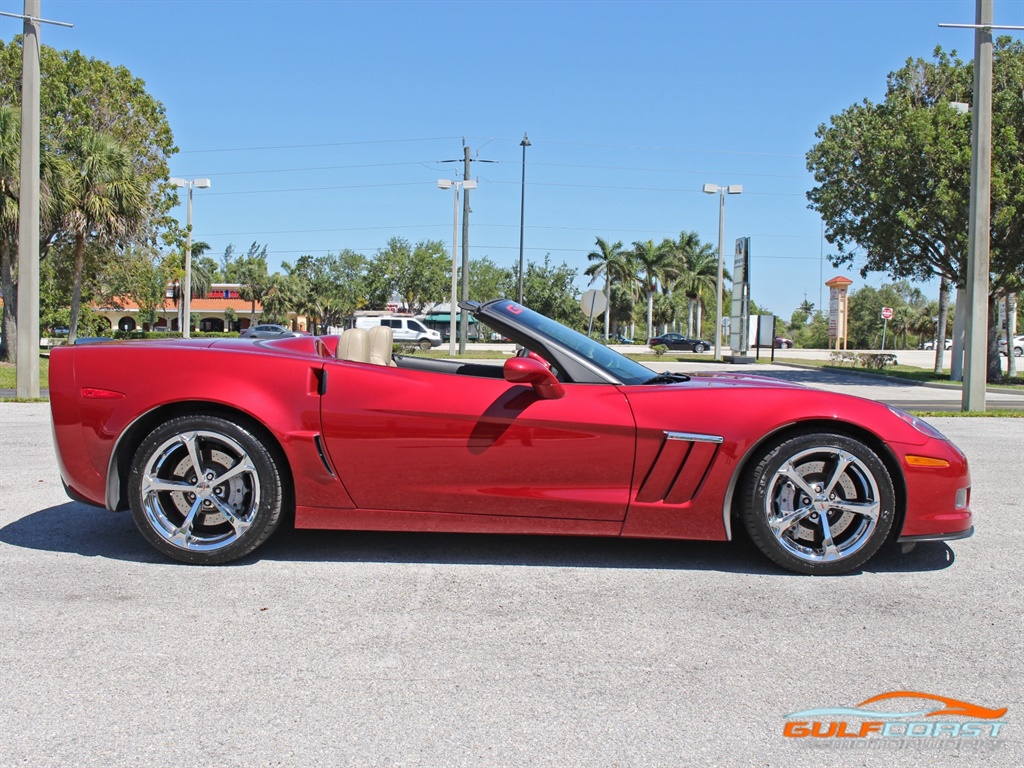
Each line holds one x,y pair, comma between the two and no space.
456,185
522,215
186,284
710,189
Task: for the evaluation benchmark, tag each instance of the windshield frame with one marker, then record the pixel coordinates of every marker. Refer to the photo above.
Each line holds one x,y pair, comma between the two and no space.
607,365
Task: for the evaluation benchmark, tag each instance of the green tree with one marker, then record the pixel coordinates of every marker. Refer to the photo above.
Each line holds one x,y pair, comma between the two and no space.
141,276
78,96
655,264
489,281
105,204
282,297
551,290
698,277
53,170
893,179
417,274
253,277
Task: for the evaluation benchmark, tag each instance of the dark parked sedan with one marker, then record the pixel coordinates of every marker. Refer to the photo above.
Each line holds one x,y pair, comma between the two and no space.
678,341
269,332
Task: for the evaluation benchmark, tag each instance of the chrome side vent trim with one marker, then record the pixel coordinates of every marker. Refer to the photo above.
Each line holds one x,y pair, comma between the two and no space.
693,437
323,455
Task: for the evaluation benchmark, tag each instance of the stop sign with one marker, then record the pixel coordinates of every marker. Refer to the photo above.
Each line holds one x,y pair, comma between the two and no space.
886,313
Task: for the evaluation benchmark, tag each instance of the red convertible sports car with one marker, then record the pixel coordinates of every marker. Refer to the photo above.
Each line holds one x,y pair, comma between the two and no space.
210,442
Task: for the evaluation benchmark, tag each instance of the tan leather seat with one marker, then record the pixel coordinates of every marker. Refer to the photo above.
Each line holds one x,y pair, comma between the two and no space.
354,346
382,345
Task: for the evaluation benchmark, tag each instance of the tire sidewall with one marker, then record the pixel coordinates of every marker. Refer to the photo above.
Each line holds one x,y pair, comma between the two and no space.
768,463
267,515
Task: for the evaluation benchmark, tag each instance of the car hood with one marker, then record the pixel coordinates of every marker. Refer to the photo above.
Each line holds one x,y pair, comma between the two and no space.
723,380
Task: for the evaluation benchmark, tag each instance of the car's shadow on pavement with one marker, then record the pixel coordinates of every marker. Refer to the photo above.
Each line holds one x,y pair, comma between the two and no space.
91,532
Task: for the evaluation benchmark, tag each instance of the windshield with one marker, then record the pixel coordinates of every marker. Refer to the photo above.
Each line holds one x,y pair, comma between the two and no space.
619,366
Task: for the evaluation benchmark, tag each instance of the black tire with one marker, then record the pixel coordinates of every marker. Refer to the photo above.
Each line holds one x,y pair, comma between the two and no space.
699,348
819,503
424,345
226,519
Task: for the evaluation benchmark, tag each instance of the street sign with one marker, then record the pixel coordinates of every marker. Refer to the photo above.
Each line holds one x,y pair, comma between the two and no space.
593,303
887,313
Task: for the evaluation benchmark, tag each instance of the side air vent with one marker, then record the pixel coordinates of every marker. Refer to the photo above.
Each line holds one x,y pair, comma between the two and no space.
679,468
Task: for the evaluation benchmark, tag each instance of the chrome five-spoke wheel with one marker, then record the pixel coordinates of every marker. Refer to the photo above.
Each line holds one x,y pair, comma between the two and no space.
819,503
204,490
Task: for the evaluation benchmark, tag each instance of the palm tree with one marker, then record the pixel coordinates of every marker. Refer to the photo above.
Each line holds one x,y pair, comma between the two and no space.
53,170
698,276
106,203
610,261
655,264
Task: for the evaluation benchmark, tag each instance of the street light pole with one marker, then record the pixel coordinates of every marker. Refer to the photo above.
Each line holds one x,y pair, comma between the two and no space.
186,283
710,189
522,216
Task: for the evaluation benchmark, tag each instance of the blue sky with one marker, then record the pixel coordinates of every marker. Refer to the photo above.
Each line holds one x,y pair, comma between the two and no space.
322,124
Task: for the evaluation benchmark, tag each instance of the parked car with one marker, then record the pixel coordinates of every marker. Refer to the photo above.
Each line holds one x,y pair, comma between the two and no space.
930,344
781,342
268,331
569,437
1018,346
405,329
620,339
678,341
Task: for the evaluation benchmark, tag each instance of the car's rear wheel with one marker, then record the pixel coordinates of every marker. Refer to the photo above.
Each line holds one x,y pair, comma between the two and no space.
819,503
205,490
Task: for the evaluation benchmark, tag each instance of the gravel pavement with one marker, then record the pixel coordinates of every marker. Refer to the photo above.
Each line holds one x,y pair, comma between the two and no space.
380,649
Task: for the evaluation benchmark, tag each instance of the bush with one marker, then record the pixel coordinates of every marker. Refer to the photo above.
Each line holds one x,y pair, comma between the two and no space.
876,361
659,349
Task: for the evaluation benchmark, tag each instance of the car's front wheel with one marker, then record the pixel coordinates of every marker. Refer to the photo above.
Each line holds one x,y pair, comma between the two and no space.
699,347
819,503
205,490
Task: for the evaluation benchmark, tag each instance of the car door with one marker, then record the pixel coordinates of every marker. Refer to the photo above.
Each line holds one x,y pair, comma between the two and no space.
436,442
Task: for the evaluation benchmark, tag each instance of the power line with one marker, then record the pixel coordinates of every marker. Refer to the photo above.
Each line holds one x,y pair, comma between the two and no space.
313,146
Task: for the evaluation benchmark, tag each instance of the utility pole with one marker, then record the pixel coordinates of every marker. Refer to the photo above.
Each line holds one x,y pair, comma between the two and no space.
466,160
27,359
979,226
976,374
463,319
27,355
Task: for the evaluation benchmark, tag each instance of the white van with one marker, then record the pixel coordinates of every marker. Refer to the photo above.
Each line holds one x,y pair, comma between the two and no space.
406,330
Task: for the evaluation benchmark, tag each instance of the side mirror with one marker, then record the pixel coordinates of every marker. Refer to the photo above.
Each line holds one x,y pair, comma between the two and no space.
526,370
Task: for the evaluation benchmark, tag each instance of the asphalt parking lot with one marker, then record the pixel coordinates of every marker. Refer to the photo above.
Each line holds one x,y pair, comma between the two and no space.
377,649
